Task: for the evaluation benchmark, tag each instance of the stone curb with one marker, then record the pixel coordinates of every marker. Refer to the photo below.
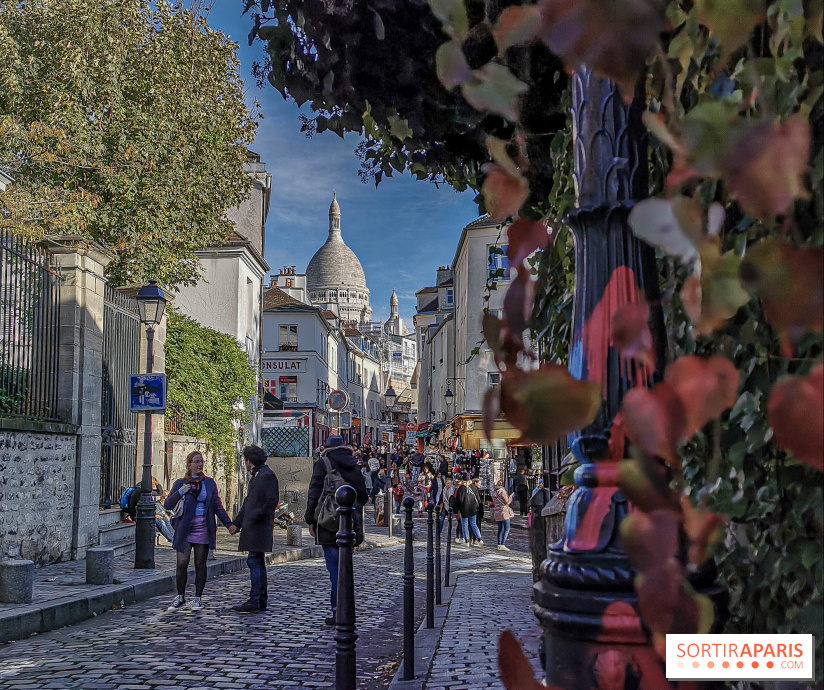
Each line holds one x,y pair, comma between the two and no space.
426,644
23,621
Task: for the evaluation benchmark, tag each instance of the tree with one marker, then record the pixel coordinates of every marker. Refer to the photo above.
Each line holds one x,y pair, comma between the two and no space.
124,122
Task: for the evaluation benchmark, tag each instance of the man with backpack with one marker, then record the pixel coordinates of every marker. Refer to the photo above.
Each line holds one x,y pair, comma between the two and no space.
335,467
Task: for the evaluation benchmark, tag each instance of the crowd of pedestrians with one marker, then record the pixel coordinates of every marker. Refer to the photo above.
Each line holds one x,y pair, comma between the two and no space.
188,514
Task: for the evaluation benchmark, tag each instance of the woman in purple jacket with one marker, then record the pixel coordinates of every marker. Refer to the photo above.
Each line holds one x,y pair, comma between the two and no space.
195,527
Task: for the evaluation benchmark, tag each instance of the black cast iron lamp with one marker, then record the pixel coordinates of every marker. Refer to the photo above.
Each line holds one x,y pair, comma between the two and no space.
151,303
448,396
390,395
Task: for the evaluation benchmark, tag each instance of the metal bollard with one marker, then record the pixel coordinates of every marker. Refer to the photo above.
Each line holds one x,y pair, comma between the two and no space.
345,635
387,510
438,598
430,566
408,595
449,516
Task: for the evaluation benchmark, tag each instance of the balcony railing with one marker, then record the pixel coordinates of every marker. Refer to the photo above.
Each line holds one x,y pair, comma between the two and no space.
289,347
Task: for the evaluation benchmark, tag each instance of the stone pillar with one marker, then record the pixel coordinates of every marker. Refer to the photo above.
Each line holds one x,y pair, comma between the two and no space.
82,264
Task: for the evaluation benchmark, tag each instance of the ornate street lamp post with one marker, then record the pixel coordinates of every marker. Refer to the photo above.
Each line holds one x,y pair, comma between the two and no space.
151,303
585,598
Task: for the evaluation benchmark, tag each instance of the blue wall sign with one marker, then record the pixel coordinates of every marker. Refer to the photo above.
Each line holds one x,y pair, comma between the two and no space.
147,392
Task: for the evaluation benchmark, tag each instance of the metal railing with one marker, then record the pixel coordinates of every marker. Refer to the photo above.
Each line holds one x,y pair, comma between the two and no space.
29,330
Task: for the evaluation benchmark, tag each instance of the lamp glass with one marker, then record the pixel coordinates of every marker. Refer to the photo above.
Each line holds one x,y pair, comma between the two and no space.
390,396
151,303
448,396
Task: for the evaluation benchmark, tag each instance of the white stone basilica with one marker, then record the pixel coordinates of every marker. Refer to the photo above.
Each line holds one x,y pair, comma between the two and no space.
335,278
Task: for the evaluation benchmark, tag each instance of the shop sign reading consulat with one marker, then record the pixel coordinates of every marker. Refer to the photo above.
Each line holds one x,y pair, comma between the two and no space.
285,365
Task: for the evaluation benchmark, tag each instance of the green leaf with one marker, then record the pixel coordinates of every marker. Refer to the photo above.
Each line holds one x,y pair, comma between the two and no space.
495,89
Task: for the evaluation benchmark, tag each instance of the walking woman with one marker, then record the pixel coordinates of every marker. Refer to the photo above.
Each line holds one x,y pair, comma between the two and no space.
195,527
501,501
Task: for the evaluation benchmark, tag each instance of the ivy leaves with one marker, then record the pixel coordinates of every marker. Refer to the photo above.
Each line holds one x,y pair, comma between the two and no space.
210,384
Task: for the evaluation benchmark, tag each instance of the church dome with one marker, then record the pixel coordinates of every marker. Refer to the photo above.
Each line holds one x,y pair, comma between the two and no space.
334,264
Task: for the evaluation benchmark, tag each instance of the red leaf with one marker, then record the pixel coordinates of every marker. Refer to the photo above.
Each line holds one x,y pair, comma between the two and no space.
796,414
659,592
703,529
649,539
706,387
630,332
765,166
518,303
655,420
643,481
548,403
790,283
516,25
524,237
516,671
615,39
503,193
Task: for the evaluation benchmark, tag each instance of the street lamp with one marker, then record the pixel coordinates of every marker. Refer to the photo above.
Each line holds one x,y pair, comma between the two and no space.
151,303
390,396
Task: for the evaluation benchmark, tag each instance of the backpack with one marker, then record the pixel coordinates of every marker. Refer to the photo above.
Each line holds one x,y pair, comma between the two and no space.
129,498
327,517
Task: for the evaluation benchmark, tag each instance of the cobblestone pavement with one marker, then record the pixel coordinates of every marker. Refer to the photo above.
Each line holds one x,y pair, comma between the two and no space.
143,646
491,594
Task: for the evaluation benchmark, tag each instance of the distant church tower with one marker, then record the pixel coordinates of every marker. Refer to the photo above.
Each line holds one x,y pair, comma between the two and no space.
394,324
335,278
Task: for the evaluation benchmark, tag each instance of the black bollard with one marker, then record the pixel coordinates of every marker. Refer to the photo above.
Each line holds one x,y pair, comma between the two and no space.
438,600
430,566
408,595
449,516
345,635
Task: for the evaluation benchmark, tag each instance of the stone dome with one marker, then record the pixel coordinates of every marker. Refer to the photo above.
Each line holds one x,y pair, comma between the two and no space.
334,277
334,264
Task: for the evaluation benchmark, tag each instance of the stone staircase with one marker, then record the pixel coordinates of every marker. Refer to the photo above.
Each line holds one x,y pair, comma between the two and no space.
112,532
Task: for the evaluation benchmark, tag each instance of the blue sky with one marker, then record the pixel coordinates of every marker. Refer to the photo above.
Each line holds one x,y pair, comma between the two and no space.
401,231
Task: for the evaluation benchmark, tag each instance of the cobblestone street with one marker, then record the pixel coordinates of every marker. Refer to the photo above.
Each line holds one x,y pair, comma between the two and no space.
143,646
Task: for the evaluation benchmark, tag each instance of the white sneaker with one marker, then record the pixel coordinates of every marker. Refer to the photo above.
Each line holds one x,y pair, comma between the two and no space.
480,542
179,601
501,547
197,604
459,541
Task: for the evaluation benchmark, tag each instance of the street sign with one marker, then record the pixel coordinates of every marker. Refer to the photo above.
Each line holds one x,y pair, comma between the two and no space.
338,400
345,420
411,426
147,392
410,438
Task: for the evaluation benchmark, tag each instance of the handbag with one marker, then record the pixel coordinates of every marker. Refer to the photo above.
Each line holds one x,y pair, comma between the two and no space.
177,512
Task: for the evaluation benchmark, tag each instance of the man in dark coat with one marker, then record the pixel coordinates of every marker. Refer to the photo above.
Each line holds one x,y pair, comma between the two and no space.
256,522
340,458
521,486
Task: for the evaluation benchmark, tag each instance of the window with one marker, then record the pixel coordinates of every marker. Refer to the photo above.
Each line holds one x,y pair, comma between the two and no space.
498,263
493,379
342,294
288,388
334,294
450,298
289,337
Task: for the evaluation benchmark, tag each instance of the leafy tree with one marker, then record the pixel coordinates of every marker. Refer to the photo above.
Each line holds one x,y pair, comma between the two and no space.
210,383
124,122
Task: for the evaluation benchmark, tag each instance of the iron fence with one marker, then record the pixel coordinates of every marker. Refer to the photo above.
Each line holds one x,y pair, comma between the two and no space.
29,330
121,350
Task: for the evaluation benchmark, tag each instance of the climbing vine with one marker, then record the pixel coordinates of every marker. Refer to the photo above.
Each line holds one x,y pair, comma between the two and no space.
210,384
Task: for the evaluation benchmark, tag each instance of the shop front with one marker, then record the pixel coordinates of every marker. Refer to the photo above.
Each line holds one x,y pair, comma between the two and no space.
469,435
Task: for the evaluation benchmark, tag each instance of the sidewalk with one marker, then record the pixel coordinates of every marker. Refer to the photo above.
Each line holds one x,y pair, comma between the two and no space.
489,594
62,597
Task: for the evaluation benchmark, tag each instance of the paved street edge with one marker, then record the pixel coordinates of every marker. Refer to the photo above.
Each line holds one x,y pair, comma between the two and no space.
24,621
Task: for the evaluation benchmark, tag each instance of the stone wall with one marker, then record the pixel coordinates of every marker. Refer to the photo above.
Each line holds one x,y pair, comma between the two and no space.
37,477
293,476
177,448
